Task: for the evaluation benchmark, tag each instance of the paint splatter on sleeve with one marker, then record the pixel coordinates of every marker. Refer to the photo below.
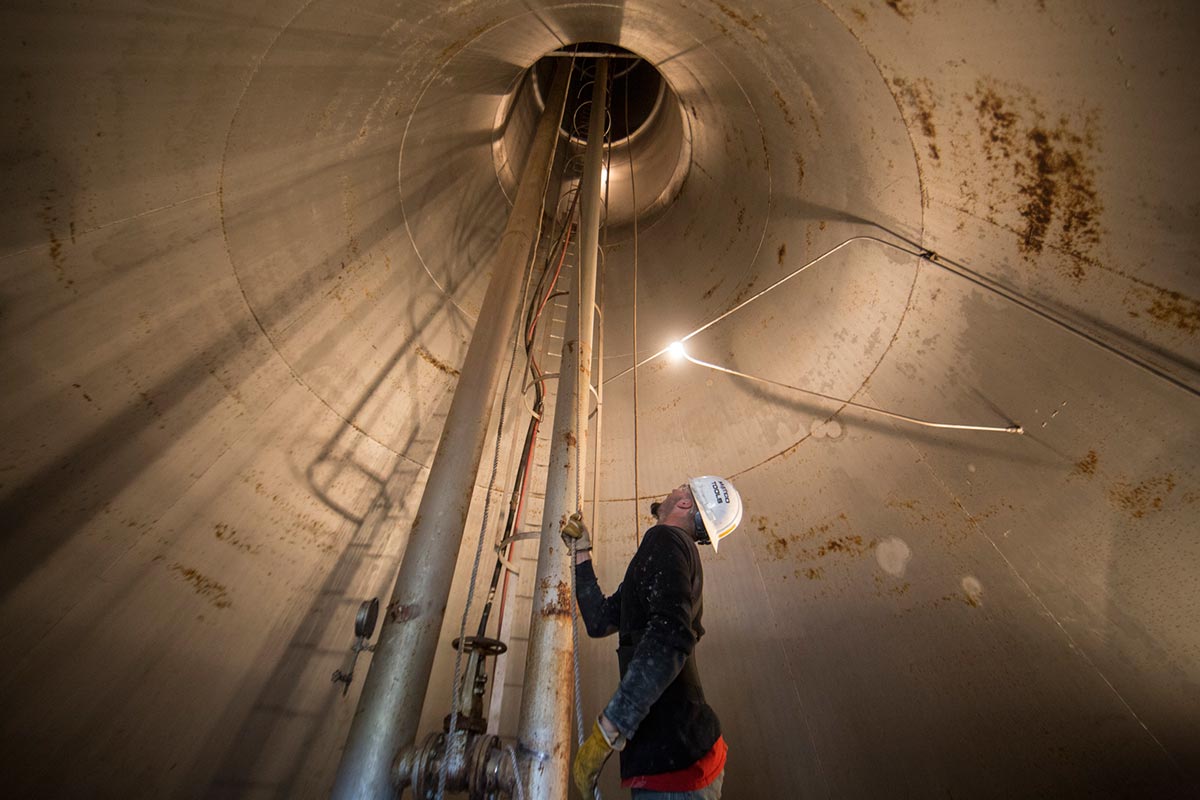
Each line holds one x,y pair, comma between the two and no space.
666,586
601,615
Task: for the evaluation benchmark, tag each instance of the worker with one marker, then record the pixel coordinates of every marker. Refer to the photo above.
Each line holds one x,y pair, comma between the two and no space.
668,736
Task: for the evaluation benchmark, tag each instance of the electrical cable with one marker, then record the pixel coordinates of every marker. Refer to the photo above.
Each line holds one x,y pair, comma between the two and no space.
504,558
487,502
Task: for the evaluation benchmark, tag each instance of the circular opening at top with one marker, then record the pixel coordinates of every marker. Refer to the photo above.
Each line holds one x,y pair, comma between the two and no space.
635,89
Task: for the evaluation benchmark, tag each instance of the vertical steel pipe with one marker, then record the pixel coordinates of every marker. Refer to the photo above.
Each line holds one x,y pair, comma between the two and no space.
390,707
545,727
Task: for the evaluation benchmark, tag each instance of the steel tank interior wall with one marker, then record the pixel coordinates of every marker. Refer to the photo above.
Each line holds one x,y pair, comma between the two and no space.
244,247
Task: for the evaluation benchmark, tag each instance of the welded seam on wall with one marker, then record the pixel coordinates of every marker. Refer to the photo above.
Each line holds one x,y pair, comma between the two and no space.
754,259
229,252
111,223
404,139
977,527
862,389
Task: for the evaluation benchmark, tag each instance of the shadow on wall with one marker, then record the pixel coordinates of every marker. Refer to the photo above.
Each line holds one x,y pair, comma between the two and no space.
285,738
1131,514
50,507
287,732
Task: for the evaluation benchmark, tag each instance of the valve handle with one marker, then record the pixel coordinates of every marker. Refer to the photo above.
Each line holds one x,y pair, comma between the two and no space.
483,644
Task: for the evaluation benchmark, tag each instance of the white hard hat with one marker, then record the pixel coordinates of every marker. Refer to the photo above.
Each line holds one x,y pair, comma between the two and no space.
718,507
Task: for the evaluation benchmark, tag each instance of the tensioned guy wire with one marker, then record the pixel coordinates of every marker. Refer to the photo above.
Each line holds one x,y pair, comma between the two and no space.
954,268
1014,428
637,519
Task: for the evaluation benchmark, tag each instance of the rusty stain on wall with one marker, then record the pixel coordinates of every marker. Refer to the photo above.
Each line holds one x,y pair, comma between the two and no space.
458,44
747,23
801,545
778,547
1087,464
49,220
917,104
799,168
292,521
851,545
783,106
1143,498
1041,169
204,586
1164,307
230,536
901,7
435,362
1040,184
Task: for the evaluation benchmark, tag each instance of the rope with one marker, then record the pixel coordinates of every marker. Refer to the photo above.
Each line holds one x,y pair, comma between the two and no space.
580,399
512,757
637,519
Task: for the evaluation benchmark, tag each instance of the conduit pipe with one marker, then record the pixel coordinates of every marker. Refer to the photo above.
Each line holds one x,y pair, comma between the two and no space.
389,709
545,726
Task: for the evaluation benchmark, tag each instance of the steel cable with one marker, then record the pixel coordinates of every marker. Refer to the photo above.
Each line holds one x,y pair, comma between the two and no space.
637,519
954,268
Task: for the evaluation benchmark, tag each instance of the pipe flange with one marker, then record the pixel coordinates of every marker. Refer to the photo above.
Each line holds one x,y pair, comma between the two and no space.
425,767
481,784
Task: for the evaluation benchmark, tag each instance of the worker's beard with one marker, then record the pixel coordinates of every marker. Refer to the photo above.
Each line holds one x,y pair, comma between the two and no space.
665,510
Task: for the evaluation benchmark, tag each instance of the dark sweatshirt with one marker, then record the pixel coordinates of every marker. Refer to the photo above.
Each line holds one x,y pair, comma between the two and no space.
659,705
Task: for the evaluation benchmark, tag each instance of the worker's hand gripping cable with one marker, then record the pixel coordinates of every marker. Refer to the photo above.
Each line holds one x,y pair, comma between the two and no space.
575,534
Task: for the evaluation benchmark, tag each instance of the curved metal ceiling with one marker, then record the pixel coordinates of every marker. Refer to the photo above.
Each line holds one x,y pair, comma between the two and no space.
244,251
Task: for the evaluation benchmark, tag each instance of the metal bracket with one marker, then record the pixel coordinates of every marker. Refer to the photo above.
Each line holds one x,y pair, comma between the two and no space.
364,628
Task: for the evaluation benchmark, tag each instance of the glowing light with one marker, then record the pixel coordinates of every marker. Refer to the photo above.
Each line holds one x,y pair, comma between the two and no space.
676,350
603,176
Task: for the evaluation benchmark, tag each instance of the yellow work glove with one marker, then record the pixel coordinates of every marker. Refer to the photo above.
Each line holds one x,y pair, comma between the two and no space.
574,532
589,760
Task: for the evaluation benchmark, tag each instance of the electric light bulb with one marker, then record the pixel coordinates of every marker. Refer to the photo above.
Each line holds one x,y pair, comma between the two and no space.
676,350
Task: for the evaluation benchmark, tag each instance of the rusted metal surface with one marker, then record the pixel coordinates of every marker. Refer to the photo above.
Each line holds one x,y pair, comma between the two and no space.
544,731
242,251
